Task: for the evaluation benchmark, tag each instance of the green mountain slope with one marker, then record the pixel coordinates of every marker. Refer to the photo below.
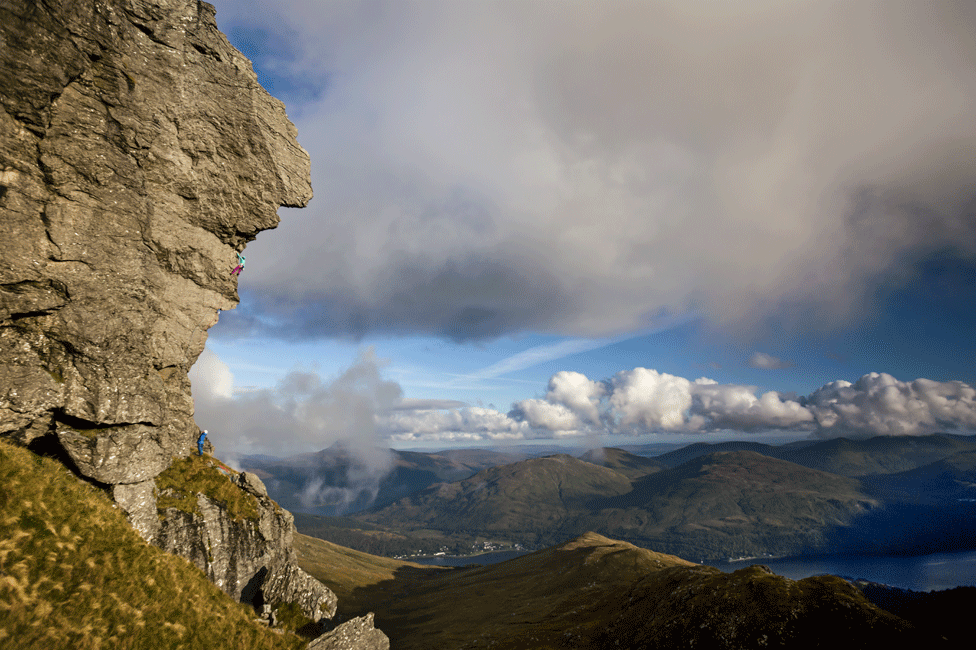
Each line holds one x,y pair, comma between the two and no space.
539,496
74,574
950,479
333,482
694,450
624,462
733,503
853,458
718,505
594,592
878,455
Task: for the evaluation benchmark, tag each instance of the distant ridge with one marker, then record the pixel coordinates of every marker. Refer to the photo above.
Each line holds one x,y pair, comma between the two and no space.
597,592
736,503
847,457
628,464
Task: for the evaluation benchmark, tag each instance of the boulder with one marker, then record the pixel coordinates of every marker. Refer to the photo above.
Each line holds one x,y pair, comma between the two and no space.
290,584
357,634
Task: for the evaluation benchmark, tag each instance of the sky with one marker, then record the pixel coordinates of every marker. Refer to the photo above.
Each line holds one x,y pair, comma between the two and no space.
594,223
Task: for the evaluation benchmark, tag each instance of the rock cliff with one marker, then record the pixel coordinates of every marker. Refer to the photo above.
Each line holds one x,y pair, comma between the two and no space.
138,156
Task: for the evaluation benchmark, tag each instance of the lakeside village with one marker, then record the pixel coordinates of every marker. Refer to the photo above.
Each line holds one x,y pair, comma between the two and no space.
481,548
478,548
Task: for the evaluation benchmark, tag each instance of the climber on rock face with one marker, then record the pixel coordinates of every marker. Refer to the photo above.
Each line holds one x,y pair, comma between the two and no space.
200,440
240,265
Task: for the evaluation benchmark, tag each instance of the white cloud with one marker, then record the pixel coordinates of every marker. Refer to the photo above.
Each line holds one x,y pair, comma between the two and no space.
365,412
540,414
211,378
645,399
301,413
879,404
730,406
471,423
577,392
768,361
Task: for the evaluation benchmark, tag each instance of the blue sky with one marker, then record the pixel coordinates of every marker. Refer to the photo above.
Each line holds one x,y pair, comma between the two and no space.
545,221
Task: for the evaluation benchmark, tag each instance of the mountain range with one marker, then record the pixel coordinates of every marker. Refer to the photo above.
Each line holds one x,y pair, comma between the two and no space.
728,499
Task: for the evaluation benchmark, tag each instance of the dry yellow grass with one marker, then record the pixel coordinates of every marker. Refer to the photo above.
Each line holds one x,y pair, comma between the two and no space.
532,601
73,574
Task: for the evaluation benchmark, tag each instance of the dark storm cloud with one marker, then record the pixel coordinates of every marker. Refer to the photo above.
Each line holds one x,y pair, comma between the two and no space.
494,167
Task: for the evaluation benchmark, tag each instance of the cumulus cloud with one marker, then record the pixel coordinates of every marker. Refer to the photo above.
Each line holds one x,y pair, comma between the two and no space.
643,400
366,413
300,414
768,361
495,167
731,406
646,399
879,404
456,425
541,414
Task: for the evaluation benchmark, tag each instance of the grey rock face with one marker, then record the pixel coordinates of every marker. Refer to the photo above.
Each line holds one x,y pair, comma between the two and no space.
357,634
290,584
122,454
250,482
139,502
138,153
235,555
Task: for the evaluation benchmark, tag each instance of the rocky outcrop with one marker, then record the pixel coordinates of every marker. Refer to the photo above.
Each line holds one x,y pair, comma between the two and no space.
234,554
290,584
138,154
357,634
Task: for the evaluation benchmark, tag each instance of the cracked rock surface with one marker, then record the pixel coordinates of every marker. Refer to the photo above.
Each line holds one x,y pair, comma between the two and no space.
357,634
138,154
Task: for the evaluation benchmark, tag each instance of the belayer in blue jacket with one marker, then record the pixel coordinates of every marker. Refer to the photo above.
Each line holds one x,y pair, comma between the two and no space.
200,440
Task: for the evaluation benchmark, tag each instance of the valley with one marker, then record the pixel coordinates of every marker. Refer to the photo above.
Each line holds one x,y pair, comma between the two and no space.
702,501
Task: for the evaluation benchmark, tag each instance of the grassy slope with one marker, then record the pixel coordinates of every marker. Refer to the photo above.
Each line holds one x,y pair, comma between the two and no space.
73,574
630,465
736,491
538,596
532,495
879,455
721,504
594,592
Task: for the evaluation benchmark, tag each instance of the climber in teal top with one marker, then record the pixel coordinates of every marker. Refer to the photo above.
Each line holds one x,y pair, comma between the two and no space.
200,441
240,265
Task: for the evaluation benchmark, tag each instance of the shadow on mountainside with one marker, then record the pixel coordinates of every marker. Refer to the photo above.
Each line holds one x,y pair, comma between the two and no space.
594,592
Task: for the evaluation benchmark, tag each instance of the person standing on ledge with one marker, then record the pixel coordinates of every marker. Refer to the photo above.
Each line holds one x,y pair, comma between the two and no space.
200,441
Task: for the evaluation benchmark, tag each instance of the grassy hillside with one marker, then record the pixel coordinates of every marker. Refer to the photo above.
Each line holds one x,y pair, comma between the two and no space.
733,503
73,574
595,592
530,498
878,455
624,462
692,451
718,505
852,458
291,481
943,481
